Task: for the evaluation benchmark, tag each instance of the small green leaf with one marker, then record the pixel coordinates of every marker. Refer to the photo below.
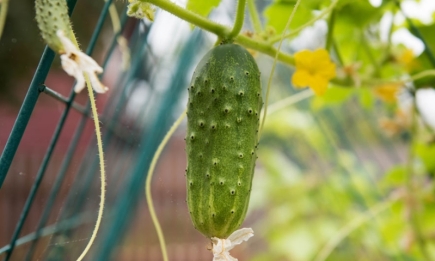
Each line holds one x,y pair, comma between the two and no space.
359,13
278,13
428,35
393,226
314,4
423,62
202,7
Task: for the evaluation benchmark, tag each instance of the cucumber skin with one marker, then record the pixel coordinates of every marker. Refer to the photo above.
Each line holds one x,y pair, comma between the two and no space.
52,15
222,136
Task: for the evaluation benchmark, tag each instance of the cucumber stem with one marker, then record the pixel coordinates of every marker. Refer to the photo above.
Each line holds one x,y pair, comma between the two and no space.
191,17
102,169
222,31
240,17
101,159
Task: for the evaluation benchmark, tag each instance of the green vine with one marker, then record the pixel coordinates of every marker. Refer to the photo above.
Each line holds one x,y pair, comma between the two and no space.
222,31
238,23
148,184
102,168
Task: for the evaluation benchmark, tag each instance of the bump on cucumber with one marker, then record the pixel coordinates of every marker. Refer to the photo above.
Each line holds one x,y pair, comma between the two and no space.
52,15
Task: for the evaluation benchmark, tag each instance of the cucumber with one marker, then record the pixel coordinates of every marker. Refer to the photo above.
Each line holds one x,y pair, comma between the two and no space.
51,16
223,119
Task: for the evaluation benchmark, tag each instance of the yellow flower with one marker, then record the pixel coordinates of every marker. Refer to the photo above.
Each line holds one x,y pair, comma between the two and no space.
388,92
314,69
406,57
407,60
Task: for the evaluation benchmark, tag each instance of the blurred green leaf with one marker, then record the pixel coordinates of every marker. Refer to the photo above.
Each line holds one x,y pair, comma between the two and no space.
427,216
423,62
393,227
427,32
395,176
279,12
202,7
350,33
314,4
358,13
390,70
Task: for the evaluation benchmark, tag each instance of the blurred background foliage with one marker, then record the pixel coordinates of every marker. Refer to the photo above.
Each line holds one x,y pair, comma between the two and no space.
344,176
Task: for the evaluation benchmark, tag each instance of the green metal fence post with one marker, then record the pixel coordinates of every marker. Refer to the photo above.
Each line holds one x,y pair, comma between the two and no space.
27,107
25,112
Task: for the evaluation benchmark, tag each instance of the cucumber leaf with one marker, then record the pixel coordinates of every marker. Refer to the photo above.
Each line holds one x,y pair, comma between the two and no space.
358,13
278,13
202,7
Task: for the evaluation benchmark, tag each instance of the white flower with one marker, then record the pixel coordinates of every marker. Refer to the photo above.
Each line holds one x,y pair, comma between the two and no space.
76,64
221,247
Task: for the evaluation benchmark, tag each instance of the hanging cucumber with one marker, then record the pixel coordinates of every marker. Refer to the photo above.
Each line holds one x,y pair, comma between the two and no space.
222,136
51,16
